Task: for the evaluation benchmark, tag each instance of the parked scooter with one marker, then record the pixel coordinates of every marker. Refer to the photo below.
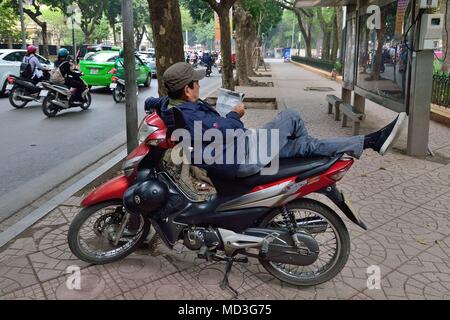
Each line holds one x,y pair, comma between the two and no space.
267,217
57,97
22,91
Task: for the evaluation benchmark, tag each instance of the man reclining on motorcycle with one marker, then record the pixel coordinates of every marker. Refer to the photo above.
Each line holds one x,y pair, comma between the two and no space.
182,83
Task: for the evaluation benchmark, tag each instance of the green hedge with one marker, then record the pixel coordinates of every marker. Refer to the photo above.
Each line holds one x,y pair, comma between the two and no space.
317,63
441,90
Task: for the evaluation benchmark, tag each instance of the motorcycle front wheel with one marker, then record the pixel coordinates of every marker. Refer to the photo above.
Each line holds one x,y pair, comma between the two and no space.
14,99
332,237
93,232
49,109
117,94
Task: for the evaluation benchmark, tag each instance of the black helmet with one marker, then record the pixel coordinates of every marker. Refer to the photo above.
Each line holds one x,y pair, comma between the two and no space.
145,197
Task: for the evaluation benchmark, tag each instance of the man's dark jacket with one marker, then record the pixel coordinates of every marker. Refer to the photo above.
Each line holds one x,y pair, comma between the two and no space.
210,118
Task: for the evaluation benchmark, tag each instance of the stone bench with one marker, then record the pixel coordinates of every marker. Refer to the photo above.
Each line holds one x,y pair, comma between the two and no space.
335,102
350,112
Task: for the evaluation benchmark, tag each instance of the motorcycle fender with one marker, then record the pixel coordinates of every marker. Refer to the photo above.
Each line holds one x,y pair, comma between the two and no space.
342,203
110,190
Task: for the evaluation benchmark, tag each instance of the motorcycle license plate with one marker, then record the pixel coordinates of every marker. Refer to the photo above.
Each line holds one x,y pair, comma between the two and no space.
9,87
113,85
43,93
94,71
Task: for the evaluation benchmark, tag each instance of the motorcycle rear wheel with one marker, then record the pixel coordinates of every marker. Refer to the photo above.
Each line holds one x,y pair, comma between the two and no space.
117,95
103,228
87,102
49,109
287,273
13,98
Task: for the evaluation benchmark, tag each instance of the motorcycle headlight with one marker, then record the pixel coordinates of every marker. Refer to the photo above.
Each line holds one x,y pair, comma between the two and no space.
145,130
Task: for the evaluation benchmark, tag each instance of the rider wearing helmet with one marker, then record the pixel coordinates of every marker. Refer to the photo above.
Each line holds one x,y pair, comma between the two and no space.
72,77
37,68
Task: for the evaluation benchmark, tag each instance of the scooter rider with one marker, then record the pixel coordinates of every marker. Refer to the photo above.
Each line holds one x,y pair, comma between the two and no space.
71,76
37,68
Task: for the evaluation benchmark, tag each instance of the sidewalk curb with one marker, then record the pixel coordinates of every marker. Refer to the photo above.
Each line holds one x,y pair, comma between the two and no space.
319,72
39,213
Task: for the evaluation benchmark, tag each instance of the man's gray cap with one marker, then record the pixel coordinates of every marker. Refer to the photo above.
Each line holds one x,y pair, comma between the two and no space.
181,74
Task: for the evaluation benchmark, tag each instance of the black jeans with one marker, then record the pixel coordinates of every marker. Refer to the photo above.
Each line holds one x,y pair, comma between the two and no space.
79,85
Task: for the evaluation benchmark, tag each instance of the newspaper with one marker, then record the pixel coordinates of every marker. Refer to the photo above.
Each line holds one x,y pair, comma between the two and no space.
227,100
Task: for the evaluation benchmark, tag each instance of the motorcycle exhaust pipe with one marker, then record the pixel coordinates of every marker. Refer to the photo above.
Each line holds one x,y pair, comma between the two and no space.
60,104
25,98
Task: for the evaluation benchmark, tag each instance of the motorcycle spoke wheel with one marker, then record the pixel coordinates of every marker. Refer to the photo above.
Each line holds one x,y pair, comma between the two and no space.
14,99
331,235
93,232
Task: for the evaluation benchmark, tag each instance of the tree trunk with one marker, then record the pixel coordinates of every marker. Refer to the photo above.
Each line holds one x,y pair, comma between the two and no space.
225,47
339,20
113,26
44,40
139,37
326,45
166,26
10,41
376,65
305,33
242,20
336,32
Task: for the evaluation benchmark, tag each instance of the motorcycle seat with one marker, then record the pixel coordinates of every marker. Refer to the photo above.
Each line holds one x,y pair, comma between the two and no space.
289,167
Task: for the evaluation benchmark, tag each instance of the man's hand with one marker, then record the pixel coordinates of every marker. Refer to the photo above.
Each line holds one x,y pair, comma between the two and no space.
239,109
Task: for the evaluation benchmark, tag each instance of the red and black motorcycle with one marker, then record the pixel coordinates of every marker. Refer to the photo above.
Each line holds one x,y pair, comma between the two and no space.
297,239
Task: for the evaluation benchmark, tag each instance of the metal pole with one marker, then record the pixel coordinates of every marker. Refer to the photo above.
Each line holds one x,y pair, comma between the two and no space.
22,25
73,41
130,75
293,33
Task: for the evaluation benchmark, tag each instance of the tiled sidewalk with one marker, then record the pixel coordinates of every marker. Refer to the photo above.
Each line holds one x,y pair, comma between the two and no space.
404,201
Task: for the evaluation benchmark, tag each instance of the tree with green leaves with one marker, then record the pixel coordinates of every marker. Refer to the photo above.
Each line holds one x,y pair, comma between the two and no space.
222,9
8,19
167,36
91,15
265,14
199,10
141,20
34,11
56,23
302,15
113,12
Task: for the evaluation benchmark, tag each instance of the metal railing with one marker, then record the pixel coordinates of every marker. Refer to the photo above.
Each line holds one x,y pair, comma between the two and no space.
441,90
317,63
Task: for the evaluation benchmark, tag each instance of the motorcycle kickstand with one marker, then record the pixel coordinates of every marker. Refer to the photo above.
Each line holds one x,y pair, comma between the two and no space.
225,283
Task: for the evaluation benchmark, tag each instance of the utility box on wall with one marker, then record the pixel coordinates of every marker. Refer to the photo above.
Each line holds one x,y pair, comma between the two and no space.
431,29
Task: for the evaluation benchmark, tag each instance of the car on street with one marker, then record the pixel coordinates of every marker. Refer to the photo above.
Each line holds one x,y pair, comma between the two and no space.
10,60
96,69
149,58
87,48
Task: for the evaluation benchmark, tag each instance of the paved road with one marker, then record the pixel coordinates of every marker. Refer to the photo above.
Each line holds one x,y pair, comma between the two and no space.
32,144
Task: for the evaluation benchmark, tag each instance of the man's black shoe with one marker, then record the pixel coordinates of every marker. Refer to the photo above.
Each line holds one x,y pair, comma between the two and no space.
386,137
